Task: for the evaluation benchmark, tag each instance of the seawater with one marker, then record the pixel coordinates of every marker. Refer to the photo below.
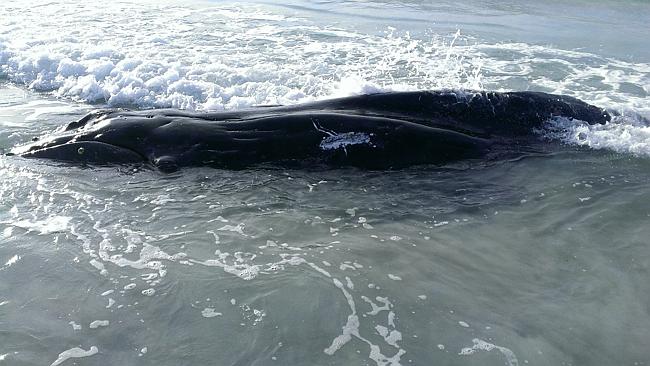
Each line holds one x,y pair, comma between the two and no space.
542,260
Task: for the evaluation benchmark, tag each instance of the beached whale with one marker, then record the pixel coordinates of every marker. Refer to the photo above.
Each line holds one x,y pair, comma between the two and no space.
377,131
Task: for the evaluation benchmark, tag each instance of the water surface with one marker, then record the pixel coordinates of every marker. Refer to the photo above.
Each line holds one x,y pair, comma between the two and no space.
541,261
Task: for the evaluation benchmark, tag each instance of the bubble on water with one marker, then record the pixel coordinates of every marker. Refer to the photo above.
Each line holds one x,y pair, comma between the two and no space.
149,292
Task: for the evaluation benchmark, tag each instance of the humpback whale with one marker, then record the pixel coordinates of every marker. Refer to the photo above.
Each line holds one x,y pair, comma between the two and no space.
376,131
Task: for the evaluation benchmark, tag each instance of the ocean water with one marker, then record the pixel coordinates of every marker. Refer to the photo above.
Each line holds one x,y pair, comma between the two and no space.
543,260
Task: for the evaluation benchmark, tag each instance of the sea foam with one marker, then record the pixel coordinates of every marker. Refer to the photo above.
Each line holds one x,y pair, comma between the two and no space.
624,134
177,59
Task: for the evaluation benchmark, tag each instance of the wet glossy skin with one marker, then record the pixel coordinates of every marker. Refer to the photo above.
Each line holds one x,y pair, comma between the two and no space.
377,131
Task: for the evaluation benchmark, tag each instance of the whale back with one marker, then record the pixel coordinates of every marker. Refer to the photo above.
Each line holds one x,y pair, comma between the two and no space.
376,131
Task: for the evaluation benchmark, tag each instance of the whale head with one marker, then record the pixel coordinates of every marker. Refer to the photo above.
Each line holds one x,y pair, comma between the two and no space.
89,140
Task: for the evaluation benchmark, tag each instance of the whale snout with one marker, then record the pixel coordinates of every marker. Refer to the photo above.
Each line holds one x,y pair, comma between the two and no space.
93,152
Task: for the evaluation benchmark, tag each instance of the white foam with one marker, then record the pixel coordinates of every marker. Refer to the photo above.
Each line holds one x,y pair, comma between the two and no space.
232,265
351,327
98,323
376,308
149,292
394,277
239,228
7,231
132,61
98,265
390,336
149,257
13,260
481,345
210,313
629,134
349,283
391,318
52,224
74,353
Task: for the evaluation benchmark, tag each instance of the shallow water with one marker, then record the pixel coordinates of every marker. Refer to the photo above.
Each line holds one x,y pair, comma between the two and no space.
542,260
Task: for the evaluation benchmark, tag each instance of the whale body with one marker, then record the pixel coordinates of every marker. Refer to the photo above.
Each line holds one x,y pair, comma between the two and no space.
377,131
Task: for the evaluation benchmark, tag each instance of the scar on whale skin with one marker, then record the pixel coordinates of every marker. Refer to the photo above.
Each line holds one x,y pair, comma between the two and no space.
376,131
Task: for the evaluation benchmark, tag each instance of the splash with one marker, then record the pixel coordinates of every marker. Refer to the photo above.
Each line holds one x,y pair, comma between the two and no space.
624,134
163,63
